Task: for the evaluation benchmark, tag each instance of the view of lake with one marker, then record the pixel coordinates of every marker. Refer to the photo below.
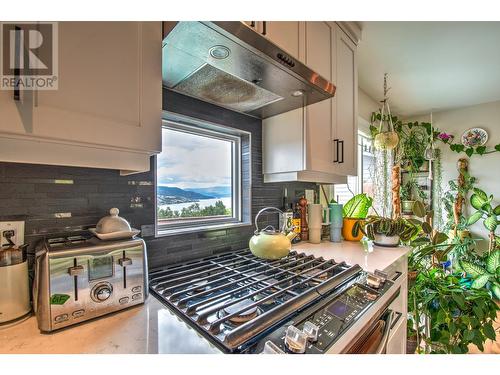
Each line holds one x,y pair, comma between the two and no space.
202,202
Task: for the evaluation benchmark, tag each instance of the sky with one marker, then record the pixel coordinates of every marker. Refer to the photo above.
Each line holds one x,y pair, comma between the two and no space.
192,161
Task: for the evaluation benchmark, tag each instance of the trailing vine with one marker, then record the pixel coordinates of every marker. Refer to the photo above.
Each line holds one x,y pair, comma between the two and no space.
469,151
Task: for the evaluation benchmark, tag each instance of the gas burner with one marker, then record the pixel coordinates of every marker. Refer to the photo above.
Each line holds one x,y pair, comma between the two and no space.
242,317
261,296
322,276
199,286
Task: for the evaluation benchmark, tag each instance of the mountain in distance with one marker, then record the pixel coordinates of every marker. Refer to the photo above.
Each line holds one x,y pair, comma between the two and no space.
214,191
172,195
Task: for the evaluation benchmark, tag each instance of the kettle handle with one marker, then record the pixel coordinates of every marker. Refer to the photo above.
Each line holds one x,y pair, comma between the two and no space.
257,231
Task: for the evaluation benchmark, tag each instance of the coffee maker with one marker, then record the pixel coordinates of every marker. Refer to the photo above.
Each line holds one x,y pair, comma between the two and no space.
14,280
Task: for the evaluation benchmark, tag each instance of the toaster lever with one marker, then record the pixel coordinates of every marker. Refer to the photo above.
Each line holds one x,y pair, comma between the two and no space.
124,262
75,271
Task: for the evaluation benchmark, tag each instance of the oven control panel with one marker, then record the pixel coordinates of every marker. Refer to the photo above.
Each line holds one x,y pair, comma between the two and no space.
316,330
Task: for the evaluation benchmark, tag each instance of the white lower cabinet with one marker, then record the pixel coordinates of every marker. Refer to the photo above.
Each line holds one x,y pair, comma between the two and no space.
317,143
396,343
106,112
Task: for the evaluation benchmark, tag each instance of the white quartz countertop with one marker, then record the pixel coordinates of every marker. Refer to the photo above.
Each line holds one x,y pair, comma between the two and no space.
149,328
368,256
152,327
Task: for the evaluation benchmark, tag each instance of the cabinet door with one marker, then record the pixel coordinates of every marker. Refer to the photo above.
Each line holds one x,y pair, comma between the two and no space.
346,103
283,135
285,34
397,338
109,86
319,134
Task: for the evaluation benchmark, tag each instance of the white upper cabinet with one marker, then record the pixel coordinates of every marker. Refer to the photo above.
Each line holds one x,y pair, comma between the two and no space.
346,104
108,101
309,144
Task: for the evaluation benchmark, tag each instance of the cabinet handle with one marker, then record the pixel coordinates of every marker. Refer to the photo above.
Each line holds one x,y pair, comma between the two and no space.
336,146
264,28
342,153
252,24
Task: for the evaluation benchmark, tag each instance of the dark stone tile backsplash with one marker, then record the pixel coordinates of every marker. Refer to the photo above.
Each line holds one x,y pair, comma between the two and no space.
53,200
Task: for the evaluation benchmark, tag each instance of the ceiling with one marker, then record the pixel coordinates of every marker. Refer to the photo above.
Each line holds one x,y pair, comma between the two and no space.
431,65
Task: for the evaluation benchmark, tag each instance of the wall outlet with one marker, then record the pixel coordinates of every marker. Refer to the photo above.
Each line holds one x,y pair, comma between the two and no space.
16,228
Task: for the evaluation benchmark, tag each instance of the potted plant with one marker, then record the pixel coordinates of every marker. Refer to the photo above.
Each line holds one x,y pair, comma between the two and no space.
384,231
446,316
406,196
354,211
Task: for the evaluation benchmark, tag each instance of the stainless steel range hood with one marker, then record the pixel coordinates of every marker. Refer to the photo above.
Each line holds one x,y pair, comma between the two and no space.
233,66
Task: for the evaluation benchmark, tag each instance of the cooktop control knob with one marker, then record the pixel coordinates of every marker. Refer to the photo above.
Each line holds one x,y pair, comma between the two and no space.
101,292
311,331
295,340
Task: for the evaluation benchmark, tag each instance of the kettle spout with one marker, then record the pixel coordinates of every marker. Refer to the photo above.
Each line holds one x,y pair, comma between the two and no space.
291,235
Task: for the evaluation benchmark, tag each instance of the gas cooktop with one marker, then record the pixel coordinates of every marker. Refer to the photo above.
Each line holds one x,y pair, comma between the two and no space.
235,299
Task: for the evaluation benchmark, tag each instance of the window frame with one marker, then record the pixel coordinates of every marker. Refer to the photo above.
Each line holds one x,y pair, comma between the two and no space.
203,128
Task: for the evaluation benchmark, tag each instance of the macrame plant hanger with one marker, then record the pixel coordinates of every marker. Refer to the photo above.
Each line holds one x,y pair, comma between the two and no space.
386,140
430,151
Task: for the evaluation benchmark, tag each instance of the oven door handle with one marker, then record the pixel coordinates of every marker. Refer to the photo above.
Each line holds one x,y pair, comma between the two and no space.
382,348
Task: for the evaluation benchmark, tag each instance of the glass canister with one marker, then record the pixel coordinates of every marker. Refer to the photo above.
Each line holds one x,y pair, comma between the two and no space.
336,219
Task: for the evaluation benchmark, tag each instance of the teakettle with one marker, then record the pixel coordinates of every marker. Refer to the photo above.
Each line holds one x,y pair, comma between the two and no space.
270,243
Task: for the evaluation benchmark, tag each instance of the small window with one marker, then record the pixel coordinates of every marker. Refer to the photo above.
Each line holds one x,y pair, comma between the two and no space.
198,177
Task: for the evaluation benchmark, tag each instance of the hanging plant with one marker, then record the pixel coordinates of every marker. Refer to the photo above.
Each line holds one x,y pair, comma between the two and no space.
388,138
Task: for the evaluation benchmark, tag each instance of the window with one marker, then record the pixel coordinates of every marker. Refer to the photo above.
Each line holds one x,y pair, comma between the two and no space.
364,181
198,177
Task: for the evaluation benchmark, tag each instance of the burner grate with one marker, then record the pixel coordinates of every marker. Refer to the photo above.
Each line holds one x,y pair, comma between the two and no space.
233,297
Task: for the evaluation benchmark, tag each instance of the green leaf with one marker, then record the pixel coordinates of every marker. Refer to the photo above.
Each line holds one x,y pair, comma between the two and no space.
480,281
495,289
497,147
426,228
493,261
469,151
468,335
472,269
481,194
474,218
357,207
459,299
477,200
491,223
474,322
481,150
478,312
439,238
489,331
418,209
496,210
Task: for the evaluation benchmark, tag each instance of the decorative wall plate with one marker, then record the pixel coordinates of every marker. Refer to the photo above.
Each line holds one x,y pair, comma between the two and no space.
474,137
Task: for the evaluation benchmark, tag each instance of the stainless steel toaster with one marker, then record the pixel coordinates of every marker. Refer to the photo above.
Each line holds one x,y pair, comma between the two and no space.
78,278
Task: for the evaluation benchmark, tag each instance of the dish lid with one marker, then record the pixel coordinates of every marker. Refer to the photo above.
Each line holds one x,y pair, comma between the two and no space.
112,223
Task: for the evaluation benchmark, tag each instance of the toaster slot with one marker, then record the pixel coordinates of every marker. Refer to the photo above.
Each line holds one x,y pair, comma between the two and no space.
75,271
124,262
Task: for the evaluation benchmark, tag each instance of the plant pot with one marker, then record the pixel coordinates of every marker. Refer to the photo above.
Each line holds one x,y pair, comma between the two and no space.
386,140
386,241
411,344
347,224
407,206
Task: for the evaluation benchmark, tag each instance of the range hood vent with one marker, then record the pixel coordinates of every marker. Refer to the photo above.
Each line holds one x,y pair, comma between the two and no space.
230,65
